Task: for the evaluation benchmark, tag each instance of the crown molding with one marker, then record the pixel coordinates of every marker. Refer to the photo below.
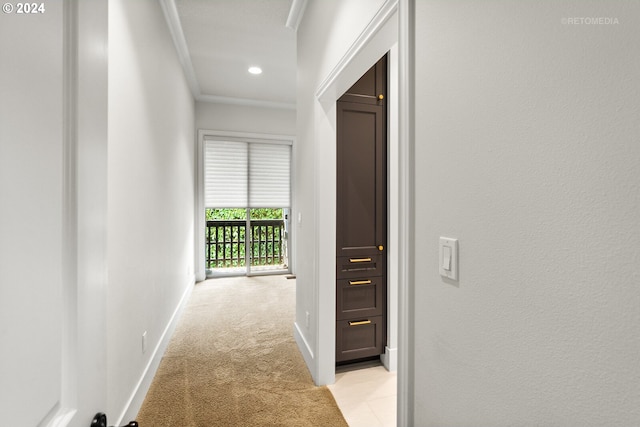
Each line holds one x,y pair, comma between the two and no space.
177,34
295,14
377,22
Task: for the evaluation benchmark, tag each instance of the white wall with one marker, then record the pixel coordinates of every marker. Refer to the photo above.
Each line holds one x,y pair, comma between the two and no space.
527,150
241,118
31,206
151,197
326,62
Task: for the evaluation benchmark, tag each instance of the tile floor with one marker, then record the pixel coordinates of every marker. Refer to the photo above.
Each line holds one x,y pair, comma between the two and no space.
366,396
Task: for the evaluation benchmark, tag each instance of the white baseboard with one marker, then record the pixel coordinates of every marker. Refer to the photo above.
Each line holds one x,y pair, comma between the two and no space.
134,403
390,359
303,346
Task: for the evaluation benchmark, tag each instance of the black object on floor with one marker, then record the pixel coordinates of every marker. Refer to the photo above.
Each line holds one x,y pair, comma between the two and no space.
100,420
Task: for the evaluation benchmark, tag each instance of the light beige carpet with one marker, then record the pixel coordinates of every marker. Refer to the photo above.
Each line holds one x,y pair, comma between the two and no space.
233,362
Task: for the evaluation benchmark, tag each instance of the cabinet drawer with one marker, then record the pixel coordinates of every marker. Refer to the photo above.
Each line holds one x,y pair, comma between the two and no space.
358,338
356,298
356,267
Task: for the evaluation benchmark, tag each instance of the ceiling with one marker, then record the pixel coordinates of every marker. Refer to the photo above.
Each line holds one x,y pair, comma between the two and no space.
218,40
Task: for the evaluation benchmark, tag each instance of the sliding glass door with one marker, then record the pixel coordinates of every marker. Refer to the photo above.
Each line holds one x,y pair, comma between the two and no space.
247,203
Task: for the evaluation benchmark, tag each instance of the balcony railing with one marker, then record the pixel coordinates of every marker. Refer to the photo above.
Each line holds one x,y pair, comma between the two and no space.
226,243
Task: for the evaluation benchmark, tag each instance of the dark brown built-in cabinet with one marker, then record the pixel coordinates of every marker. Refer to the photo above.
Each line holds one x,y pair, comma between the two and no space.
361,228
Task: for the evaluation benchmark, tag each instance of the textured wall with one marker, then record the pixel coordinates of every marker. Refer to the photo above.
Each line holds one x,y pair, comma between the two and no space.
528,152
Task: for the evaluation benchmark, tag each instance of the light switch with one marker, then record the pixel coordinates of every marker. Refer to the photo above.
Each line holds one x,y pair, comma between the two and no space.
448,250
446,258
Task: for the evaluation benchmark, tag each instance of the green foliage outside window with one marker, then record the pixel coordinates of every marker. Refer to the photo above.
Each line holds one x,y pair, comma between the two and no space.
240,213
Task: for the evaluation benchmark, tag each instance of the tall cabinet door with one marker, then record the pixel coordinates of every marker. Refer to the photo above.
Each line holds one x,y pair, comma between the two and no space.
361,179
361,217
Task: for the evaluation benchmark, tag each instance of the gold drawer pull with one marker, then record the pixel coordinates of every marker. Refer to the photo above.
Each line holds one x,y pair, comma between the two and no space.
361,322
359,282
359,259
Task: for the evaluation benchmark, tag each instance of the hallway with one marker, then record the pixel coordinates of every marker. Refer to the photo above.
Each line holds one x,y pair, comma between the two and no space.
516,128
232,361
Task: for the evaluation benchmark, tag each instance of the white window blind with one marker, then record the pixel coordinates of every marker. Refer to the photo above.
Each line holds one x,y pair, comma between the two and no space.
269,171
242,174
225,176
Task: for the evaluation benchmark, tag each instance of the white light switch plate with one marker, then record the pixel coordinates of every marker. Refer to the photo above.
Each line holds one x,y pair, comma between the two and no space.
448,257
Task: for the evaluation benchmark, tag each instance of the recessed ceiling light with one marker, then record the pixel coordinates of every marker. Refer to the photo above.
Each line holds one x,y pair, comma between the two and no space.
255,70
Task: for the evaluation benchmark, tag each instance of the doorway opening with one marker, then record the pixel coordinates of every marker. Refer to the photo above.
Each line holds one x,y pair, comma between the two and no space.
361,218
244,204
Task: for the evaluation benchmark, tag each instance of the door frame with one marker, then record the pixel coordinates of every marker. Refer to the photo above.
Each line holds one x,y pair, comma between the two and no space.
200,221
85,140
406,123
380,37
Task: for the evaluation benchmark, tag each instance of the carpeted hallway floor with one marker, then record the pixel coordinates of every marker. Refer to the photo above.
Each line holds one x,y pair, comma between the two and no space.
233,362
